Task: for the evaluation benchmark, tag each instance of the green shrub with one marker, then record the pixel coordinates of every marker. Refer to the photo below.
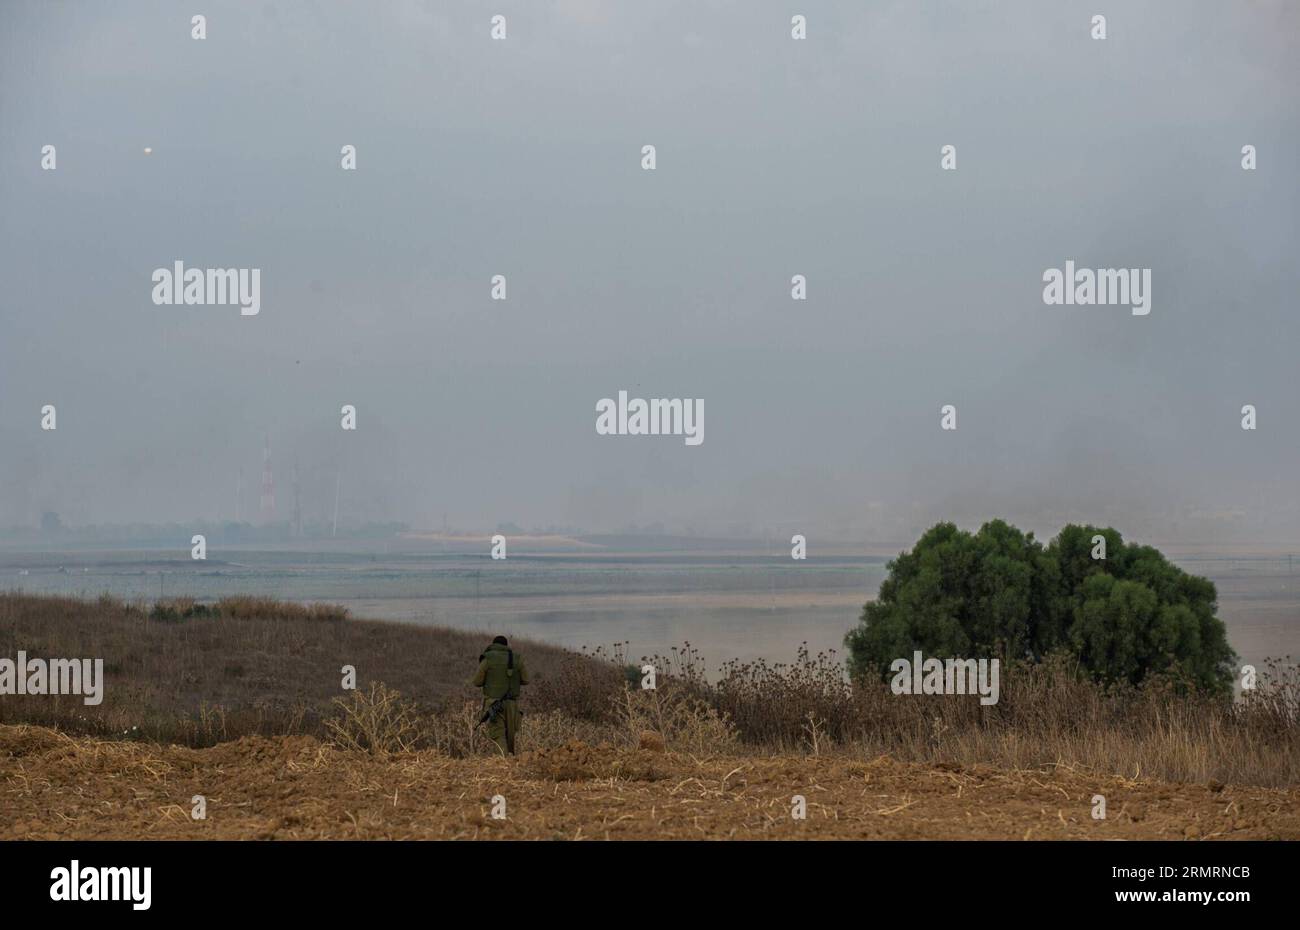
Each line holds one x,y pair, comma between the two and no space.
1000,593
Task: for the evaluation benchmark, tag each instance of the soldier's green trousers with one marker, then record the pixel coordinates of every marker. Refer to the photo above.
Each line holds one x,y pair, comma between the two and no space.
504,730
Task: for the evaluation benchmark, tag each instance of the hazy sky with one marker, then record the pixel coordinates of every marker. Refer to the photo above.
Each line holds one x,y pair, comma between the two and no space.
775,157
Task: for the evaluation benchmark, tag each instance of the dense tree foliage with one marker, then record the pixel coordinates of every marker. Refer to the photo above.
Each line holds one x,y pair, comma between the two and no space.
1000,593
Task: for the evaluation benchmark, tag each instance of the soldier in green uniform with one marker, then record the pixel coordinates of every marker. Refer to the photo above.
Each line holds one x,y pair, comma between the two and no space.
501,672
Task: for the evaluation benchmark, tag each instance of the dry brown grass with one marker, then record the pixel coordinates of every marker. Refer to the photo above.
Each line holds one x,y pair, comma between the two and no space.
680,718
700,756
377,721
196,675
216,675
1047,714
55,786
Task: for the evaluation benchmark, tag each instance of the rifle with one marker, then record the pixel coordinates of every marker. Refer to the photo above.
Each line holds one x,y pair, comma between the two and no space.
495,709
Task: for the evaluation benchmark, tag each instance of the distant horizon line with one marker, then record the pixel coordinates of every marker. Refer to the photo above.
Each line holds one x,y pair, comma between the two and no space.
542,543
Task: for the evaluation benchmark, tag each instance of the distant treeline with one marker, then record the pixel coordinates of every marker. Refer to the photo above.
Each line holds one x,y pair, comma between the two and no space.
52,533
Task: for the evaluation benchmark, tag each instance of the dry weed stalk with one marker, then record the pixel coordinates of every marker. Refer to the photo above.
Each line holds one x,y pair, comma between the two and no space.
377,721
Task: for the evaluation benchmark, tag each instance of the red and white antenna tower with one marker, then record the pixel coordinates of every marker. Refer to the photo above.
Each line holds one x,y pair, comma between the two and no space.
268,483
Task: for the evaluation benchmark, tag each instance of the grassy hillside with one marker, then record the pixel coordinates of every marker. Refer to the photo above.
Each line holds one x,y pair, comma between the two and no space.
196,675
202,675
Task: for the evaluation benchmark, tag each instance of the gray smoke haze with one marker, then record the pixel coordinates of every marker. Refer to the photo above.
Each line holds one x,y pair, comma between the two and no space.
775,158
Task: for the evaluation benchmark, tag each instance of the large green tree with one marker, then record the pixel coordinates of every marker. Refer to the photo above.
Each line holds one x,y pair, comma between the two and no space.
1000,593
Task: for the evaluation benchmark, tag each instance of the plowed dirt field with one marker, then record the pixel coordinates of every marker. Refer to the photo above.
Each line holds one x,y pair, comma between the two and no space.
54,786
